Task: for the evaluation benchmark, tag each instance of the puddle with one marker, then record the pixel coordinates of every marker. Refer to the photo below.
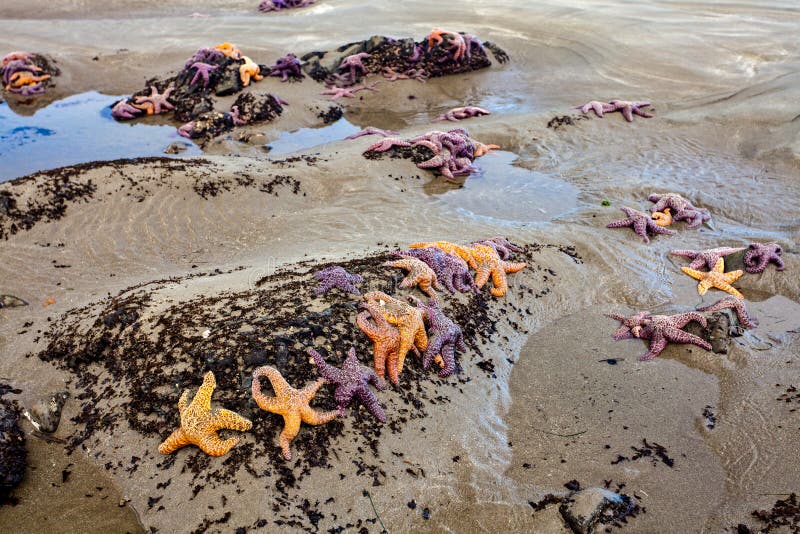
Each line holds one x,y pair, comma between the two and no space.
506,192
306,138
75,130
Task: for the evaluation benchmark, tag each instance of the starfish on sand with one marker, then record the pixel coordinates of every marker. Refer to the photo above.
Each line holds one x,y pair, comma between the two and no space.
641,224
733,303
421,75
630,327
716,277
249,69
385,144
662,218
451,271
386,340
199,423
291,403
349,92
682,208
465,253
369,130
707,258
419,274
352,380
490,264
446,338
123,110
662,329
286,67
202,70
759,255
408,320
457,114
336,277
153,103
628,109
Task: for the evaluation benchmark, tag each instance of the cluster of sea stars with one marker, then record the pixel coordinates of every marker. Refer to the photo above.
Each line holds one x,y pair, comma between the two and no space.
458,45
668,207
342,83
20,75
453,151
276,5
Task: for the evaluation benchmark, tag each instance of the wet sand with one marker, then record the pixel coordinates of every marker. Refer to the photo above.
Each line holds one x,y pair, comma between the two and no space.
473,450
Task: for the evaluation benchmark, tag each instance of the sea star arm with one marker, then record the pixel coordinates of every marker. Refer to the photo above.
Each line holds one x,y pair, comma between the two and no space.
203,397
230,420
268,403
310,390
175,441
212,445
327,371
657,344
680,336
291,427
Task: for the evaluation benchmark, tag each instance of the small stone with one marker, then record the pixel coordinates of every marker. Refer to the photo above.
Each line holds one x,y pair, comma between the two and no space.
583,512
176,148
10,301
45,414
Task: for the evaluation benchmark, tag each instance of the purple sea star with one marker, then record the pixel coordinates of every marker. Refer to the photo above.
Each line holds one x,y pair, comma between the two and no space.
502,245
641,223
352,380
457,114
733,303
682,209
759,255
631,326
29,90
387,143
354,64
369,130
473,42
186,130
17,65
628,109
236,117
451,271
204,55
416,55
202,71
705,257
445,338
276,5
123,110
336,276
286,67
663,329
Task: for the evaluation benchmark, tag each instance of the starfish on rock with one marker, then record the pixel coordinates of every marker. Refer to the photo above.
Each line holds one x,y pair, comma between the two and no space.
451,271
386,340
455,42
663,329
387,143
682,208
249,69
446,338
352,380
186,130
123,110
733,303
716,277
641,223
419,274
154,102
291,403
199,423
204,55
336,277
202,70
707,258
664,218
354,63
286,67
489,263
457,114
408,320
229,50
24,77
759,255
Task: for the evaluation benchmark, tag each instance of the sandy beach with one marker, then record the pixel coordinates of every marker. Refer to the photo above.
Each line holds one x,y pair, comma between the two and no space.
142,274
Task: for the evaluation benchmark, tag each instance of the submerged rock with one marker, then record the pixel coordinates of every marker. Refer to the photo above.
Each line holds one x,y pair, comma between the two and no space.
45,414
10,301
13,454
586,507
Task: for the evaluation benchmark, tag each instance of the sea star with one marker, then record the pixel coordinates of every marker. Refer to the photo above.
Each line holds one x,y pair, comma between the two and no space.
229,50
457,114
456,46
369,130
661,329
199,423
276,5
682,208
16,66
664,218
354,64
202,71
482,149
154,102
446,338
204,55
123,110
759,255
641,223
599,108
716,277
465,253
236,118
386,340
249,69
291,403
708,257
339,92
473,42
29,90
502,245
489,263
186,130
451,271
286,67
336,277
352,380
728,302
631,326
407,319
387,143
15,56
23,77
419,274
628,109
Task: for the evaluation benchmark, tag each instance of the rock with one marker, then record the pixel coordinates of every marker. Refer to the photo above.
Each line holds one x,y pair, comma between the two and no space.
13,455
176,148
722,325
10,301
230,82
45,414
584,508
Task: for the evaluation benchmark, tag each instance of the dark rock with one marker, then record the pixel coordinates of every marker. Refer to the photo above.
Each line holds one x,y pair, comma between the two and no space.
10,301
230,81
13,454
177,147
582,511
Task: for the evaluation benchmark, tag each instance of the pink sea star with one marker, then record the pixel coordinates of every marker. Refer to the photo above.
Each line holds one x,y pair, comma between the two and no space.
286,67
123,110
628,109
705,257
387,143
682,209
641,223
186,130
759,255
736,304
354,63
663,329
457,114
153,103
369,130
